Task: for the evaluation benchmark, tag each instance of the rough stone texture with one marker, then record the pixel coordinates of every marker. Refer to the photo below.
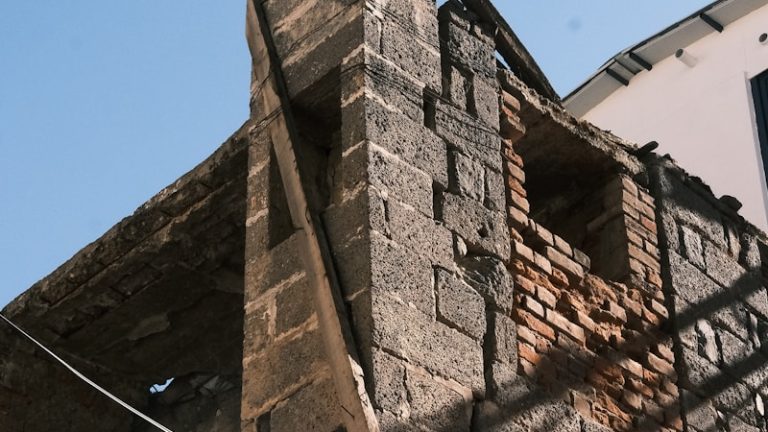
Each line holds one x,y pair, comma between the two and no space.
499,266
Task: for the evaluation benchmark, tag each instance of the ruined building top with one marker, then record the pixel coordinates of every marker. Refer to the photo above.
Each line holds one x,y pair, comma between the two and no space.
405,236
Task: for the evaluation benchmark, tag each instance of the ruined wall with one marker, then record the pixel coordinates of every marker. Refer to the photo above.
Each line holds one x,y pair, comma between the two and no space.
713,265
499,265
159,296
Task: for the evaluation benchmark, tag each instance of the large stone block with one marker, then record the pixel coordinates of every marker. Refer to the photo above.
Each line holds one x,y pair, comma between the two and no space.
420,234
436,406
485,98
361,210
467,134
467,177
374,165
280,371
722,267
278,265
384,82
699,375
459,305
388,383
385,322
693,247
291,23
417,55
491,279
699,413
294,305
463,48
685,205
372,262
403,137
693,285
310,59
484,231
733,349
503,342
313,408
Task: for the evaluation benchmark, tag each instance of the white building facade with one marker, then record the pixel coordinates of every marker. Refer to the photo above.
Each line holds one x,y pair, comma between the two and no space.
699,89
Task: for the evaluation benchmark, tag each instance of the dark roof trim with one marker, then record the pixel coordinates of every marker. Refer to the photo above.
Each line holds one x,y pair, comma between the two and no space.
512,50
713,17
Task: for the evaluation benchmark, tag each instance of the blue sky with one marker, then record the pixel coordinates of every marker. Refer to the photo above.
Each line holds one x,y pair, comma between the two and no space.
102,104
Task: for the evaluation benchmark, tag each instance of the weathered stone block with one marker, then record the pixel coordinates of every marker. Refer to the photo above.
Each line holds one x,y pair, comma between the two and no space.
485,98
692,284
692,246
457,87
484,231
255,329
294,305
314,407
467,177
277,265
732,317
370,163
388,383
385,322
698,412
700,374
464,49
280,371
459,305
373,262
491,279
467,134
687,206
291,24
399,135
419,233
503,342
360,210
734,350
311,59
437,406
721,267
495,198
419,56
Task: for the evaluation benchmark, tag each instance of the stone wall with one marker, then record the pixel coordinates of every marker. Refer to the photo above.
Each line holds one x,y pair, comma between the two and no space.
496,265
713,265
159,296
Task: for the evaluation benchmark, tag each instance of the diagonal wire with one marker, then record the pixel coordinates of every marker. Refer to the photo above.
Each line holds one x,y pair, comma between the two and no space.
84,378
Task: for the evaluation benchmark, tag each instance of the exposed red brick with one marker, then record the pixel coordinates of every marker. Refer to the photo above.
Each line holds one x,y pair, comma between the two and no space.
546,297
529,353
533,306
561,323
638,386
585,321
525,284
559,278
527,335
535,324
632,400
648,224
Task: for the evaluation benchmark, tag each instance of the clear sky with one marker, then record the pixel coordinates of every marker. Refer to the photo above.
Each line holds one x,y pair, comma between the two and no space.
102,103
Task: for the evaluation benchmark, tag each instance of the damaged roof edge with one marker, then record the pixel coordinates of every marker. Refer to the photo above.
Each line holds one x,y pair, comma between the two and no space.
683,32
616,148
132,230
512,50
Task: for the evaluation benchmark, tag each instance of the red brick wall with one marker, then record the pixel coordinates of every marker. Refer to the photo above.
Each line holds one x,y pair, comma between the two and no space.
596,342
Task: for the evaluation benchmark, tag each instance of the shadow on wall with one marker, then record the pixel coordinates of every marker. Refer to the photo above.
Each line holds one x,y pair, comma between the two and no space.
712,395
